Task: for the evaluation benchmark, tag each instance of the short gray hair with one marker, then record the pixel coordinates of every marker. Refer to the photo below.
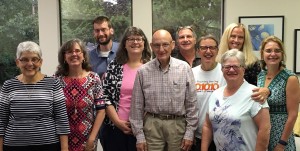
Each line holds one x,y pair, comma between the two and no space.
185,27
29,46
234,53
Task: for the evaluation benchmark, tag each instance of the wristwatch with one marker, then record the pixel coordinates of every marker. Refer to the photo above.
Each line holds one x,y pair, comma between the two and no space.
282,142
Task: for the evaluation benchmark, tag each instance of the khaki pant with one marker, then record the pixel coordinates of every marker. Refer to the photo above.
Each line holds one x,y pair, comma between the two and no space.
297,125
164,134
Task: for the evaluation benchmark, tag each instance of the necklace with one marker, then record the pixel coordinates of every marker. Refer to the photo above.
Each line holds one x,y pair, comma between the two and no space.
270,77
30,82
30,91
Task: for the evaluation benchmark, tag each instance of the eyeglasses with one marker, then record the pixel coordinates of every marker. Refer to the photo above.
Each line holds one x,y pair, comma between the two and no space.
234,67
274,50
205,48
164,45
132,40
101,29
76,51
34,60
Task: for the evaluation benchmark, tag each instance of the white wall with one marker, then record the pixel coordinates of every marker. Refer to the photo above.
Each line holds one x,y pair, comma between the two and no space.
49,34
142,17
289,9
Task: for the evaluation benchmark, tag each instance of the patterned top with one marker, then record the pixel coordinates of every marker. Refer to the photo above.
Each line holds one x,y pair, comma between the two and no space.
251,73
112,85
232,119
82,97
164,92
278,110
32,114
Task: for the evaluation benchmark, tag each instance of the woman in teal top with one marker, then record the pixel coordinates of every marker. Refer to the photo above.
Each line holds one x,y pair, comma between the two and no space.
283,101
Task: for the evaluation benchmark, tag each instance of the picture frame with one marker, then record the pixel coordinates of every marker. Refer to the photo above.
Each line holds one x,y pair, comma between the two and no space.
260,27
297,51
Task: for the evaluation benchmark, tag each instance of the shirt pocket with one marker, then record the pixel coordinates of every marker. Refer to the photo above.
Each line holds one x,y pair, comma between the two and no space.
178,89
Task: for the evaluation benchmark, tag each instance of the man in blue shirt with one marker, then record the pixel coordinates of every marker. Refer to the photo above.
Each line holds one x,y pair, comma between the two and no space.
106,49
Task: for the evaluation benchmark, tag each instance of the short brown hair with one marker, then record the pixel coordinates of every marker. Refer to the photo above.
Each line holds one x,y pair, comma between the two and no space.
101,19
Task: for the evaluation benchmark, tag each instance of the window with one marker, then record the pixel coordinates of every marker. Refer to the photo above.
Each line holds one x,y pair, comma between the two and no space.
18,23
77,16
203,15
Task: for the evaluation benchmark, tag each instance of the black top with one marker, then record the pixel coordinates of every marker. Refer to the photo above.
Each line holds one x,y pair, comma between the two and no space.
176,54
251,73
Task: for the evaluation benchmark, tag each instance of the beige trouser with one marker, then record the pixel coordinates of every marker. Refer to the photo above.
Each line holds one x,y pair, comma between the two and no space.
164,134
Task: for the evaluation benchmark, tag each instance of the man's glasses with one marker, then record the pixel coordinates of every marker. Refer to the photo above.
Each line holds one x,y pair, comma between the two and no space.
132,40
164,45
234,67
34,60
76,51
205,48
274,50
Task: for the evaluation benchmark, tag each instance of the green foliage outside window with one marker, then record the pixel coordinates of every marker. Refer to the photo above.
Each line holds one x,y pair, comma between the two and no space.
18,23
77,17
203,15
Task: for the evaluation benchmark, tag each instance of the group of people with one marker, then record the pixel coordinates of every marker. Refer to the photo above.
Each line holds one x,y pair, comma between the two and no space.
205,97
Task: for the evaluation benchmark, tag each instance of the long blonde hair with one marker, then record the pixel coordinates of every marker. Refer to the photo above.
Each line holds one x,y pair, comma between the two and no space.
247,48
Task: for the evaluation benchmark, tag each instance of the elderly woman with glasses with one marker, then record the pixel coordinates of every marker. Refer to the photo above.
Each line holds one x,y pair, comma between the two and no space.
237,36
133,52
33,111
234,121
283,101
83,90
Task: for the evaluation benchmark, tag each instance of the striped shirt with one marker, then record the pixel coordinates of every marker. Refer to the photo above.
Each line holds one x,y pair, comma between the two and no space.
164,92
32,114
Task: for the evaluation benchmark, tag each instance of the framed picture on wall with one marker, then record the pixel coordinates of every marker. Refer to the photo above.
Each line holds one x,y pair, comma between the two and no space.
263,26
297,52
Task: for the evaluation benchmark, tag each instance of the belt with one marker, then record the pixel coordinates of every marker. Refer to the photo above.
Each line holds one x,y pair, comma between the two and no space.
165,116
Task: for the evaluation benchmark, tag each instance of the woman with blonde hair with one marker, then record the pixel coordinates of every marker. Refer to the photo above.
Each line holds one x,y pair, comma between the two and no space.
236,36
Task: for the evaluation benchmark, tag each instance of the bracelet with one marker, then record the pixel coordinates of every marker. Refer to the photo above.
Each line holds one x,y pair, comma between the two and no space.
282,142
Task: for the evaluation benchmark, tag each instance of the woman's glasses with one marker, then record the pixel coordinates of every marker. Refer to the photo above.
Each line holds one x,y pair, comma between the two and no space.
34,60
